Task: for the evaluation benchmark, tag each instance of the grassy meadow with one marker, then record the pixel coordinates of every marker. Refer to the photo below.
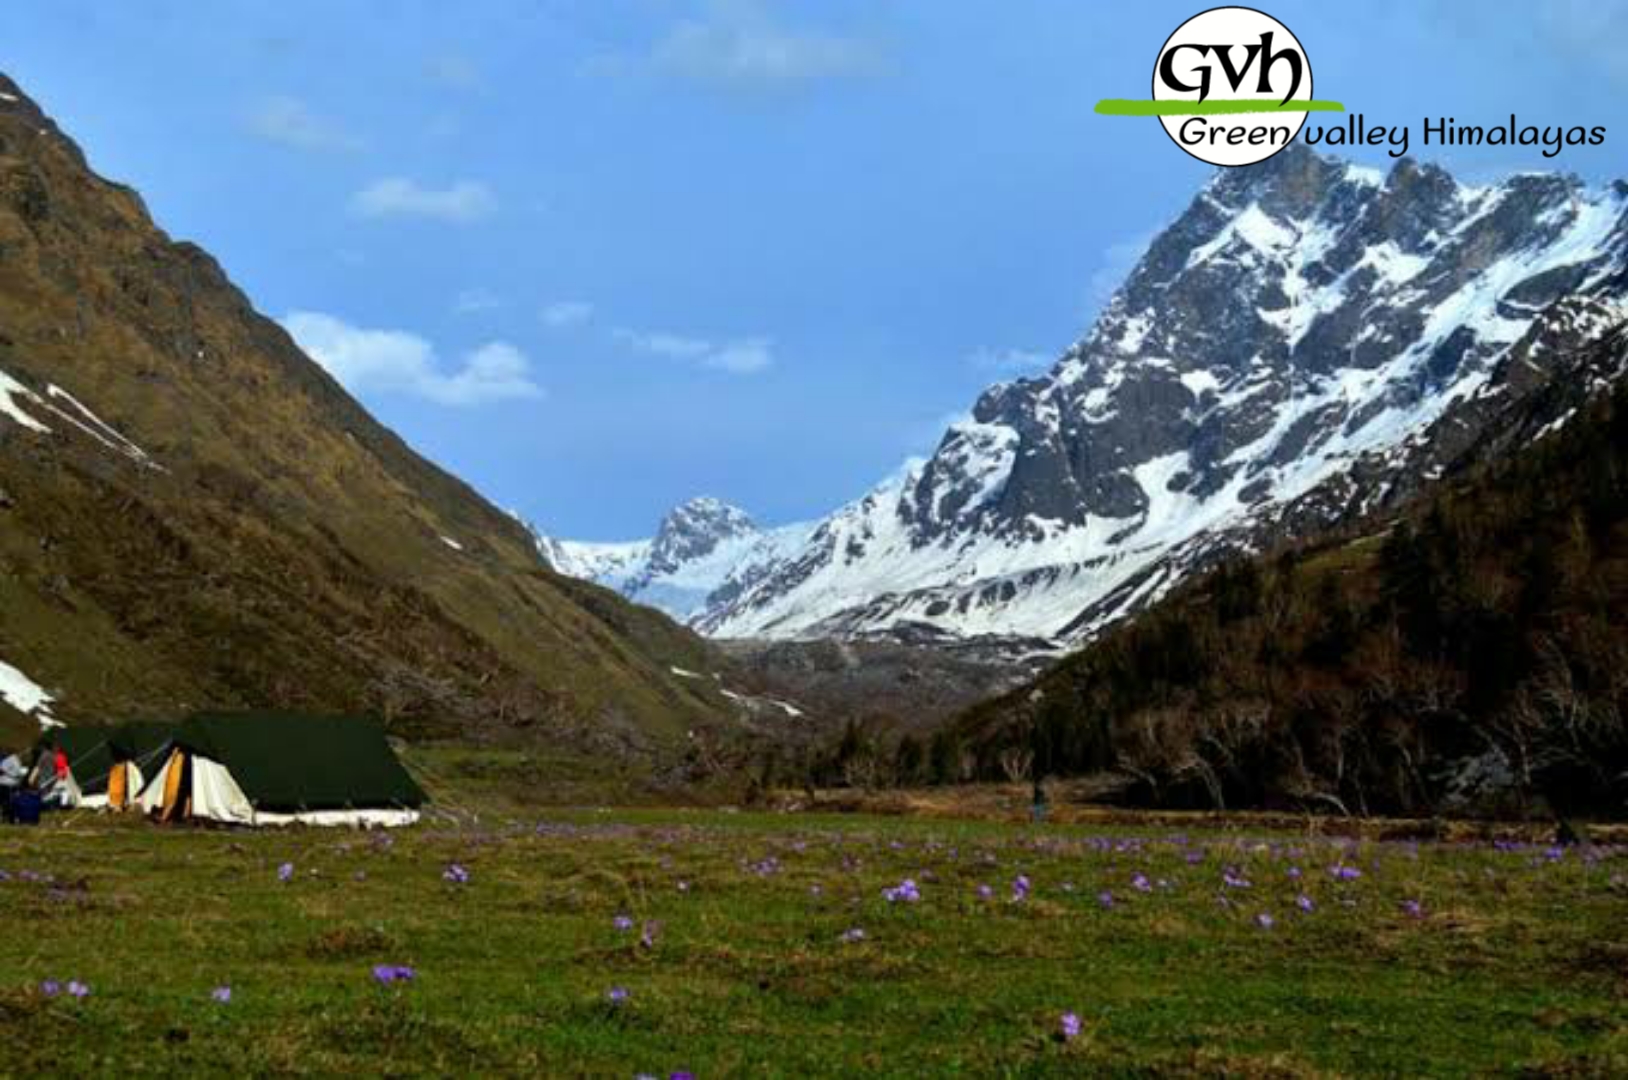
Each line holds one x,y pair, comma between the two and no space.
630,942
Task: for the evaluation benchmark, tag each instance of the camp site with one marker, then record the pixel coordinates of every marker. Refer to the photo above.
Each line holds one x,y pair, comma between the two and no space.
249,769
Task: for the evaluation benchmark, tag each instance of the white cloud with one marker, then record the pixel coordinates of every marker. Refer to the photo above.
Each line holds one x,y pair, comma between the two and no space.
740,356
475,301
663,344
563,313
746,357
1010,361
290,122
739,43
399,362
396,196
497,371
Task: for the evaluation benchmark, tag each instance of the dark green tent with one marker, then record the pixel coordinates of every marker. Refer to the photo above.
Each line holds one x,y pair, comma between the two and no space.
286,763
140,741
94,751
89,754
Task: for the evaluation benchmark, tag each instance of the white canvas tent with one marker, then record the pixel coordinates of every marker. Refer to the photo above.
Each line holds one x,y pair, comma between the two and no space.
266,769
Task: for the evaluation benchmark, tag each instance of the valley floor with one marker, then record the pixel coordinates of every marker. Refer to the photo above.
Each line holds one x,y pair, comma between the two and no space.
624,942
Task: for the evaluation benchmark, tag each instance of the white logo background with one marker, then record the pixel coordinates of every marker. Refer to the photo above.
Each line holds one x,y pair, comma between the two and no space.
1238,28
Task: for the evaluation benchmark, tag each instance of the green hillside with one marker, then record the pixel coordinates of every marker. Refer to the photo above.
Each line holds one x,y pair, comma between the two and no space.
209,520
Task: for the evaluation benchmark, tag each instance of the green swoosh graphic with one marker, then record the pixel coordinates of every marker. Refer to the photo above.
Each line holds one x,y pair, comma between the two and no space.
1214,107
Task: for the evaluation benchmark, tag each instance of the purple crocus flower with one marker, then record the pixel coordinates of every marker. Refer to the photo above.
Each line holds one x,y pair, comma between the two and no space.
1141,883
1342,872
221,995
456,874
1303,902
1069,1027
1265,921
616,995
285,872
985,892
1105,898
905,891
622,923
385,974
1413,908
1021,887
50,988
78,989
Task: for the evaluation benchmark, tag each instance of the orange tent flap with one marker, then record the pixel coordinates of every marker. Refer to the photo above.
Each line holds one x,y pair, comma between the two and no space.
172,784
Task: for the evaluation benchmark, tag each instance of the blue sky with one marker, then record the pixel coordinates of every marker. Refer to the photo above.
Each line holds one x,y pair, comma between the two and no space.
597,257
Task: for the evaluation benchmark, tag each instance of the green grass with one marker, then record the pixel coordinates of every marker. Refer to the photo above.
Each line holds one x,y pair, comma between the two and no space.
1519,962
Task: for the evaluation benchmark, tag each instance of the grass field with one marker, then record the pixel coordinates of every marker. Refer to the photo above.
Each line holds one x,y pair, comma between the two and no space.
768,944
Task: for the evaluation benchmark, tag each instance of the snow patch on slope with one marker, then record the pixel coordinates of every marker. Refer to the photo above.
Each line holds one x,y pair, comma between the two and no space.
11,393
26,696
94,426
14,395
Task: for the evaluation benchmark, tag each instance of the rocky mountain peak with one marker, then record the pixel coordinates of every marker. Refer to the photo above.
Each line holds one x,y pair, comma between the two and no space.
695,528
704,553
1302,322
1291,183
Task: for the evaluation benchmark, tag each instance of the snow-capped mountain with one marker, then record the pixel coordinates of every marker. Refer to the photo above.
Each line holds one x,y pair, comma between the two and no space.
705,553
1307,340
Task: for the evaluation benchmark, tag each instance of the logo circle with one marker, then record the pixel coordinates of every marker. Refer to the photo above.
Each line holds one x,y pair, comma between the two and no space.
1232,54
